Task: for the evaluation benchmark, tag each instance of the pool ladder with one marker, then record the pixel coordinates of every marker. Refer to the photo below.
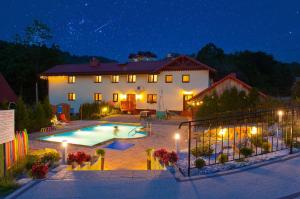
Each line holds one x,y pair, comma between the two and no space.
133,130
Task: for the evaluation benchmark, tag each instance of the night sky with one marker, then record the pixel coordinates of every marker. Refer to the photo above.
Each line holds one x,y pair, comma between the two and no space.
115,28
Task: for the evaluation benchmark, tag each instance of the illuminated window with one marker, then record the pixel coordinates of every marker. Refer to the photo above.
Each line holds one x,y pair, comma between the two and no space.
71,79
151,98
97,97
115,97
131,78
169,78
115,78
152,78
71,96
185,78
98,79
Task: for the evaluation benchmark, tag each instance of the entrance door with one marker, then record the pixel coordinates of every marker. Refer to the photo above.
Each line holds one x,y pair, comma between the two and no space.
131,102
185,99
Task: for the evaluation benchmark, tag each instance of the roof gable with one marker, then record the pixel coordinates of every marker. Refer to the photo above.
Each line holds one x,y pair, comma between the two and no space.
6,93
228,81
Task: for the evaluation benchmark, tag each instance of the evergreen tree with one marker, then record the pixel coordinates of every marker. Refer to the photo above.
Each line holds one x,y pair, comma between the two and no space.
39,117
21,115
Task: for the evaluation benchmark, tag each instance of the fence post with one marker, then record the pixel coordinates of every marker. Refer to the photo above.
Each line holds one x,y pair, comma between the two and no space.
189,150
292,132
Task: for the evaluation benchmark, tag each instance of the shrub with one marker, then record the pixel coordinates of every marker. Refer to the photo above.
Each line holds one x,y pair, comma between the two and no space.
39,170
222,158
160,153
199,163
22,115
50,158
100,152
266,146
173,158
205,150
78,157
257,140
31,159
7,184
245,151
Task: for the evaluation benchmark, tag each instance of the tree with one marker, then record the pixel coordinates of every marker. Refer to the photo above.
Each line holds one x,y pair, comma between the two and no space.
21,115
37,33
47,108
40,117
211,55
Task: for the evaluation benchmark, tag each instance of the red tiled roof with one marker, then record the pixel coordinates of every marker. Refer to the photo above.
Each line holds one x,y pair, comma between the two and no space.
231,76
128,68
6,93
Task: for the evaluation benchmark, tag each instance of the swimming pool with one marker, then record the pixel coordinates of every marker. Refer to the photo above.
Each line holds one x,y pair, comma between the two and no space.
94,135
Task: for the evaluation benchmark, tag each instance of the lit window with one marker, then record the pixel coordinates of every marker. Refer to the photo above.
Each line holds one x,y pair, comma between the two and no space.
152,78
115,78
97,96
151,98
98,79
71,79
131,78
71,96
169,78
185,78
115,97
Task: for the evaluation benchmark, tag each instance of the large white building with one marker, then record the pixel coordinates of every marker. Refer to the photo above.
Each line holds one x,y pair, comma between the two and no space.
151,85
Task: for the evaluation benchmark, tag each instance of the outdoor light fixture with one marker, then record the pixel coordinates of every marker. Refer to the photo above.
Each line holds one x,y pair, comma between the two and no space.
139,97
253,130
177,138
64,153
222,132
280,114
122,96
187,92
104,109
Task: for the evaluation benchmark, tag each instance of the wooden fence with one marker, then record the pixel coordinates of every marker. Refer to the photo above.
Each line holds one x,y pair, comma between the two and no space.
13,151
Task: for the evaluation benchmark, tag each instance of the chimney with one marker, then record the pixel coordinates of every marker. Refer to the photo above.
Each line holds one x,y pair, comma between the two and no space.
94,62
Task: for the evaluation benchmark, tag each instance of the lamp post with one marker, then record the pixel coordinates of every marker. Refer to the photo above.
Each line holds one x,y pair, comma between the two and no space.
65,149
177,138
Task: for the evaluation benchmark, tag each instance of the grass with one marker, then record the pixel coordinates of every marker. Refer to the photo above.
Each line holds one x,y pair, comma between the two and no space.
7,185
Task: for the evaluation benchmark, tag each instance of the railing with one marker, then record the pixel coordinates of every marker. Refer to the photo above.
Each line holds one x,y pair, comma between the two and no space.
262,131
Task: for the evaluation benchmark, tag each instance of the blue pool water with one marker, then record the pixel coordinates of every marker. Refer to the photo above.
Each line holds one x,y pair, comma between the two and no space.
94,135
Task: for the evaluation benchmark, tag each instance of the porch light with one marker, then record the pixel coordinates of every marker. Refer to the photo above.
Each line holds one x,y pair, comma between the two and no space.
177,136
187,92
139,96
280,114
253,130
122,96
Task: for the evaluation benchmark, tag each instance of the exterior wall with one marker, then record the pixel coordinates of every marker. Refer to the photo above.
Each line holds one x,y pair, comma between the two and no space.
171,94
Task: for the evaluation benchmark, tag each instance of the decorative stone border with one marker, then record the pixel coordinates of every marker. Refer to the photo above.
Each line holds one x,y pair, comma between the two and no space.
180,178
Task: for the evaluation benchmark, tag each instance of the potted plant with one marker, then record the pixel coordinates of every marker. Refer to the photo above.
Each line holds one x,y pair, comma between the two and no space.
101,153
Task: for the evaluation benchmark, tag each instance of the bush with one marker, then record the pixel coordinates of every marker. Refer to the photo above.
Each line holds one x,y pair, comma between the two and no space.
266,146
78,157
7,184
257,140
22,115
100,152
50,158
199,163
172,157
31,159
205,150
245,151
39,170
95,110
166,157
222,158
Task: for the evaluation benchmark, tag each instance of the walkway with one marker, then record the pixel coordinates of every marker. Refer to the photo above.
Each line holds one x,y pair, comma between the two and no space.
272,181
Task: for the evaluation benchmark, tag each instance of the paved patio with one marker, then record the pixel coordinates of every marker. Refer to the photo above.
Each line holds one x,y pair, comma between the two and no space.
274,181
133,158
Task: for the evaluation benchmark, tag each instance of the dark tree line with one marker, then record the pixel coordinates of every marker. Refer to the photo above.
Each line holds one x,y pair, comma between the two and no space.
23,60
258,69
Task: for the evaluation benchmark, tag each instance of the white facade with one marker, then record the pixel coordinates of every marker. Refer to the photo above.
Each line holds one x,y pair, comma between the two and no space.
169,95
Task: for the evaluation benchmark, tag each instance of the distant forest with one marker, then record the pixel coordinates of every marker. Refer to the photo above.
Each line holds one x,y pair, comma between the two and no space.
23,60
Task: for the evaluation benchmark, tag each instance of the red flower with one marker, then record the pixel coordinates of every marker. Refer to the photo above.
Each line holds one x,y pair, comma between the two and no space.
173,158
39,170
160,153
78,157
165,157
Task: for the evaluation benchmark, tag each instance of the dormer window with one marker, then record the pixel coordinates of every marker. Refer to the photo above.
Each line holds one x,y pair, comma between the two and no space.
152,78
131,78
71,79
115,79
98,79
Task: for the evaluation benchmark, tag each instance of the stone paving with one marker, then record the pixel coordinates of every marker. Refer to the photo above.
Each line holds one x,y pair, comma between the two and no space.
133,158
278,180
